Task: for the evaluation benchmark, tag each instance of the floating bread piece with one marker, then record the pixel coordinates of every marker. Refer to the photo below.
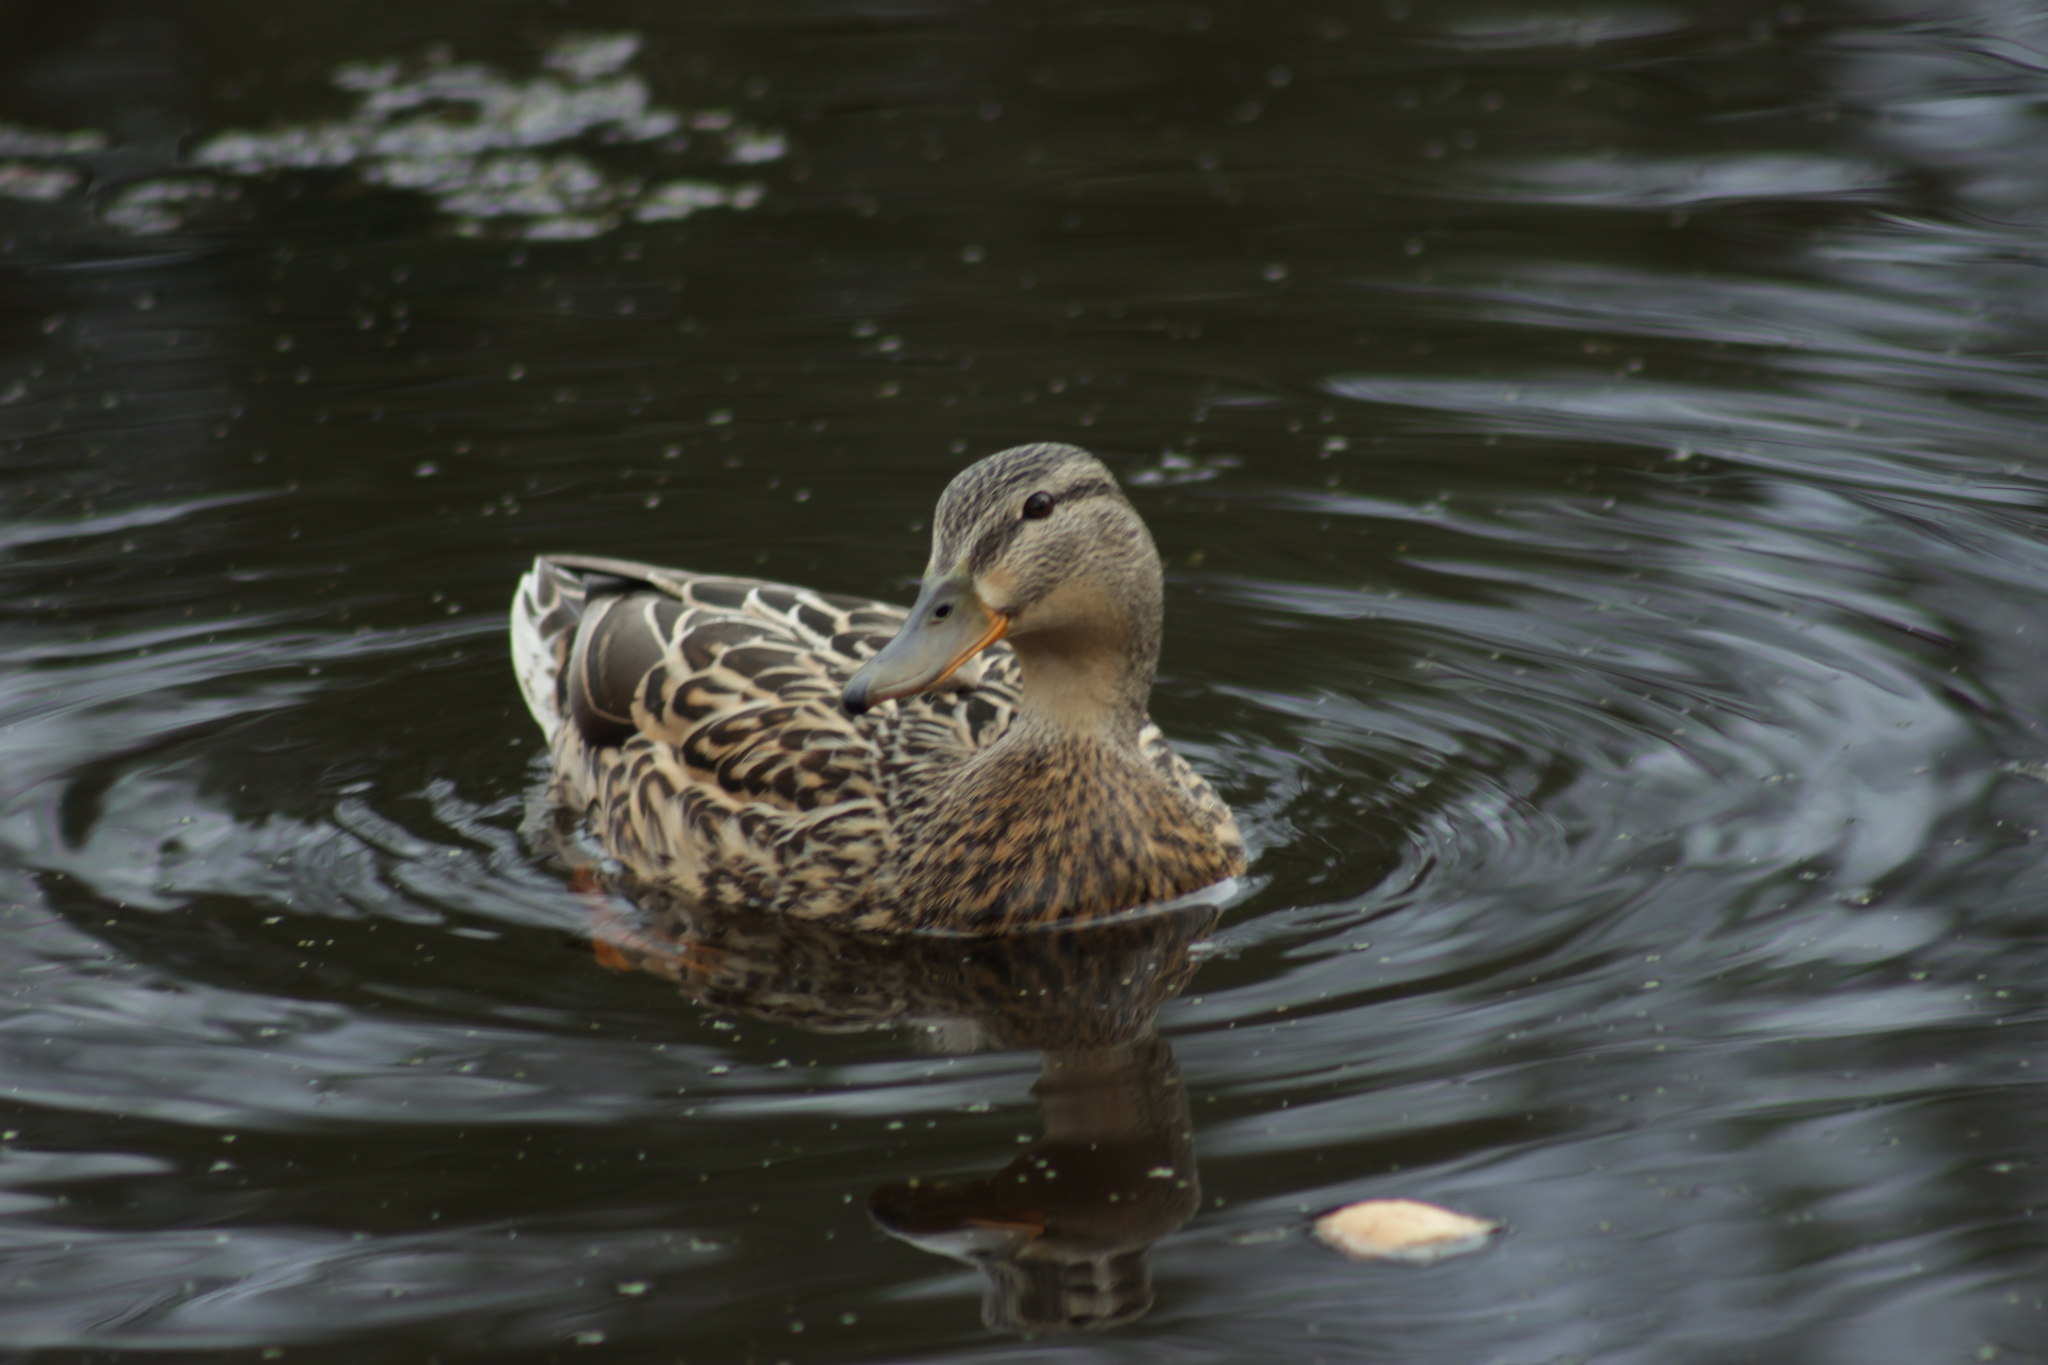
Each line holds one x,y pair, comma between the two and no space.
1402,1230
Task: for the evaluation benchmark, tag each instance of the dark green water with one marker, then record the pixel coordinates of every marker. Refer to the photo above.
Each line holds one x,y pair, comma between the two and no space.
1599,455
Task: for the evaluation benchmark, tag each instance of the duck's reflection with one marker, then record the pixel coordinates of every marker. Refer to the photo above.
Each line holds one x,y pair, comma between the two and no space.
1063,1231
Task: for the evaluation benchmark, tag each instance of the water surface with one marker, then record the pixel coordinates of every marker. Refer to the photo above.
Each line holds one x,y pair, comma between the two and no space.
1598,453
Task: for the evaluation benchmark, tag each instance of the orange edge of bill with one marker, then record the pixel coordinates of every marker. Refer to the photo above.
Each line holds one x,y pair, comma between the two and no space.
996,631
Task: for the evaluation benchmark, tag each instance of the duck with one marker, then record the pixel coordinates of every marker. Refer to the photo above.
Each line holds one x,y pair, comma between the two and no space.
980,763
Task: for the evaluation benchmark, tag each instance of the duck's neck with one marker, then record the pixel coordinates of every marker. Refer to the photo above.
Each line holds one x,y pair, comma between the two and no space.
1086,684
1064,817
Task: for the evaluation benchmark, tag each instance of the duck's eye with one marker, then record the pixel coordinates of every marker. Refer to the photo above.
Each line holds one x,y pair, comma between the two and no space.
942,611
1038,506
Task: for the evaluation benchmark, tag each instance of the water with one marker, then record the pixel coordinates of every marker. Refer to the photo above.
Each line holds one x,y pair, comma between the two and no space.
1598,453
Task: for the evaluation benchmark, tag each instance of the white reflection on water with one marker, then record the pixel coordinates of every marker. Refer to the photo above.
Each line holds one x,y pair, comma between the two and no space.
1665,181
28,180
1587,27
42,179
471,137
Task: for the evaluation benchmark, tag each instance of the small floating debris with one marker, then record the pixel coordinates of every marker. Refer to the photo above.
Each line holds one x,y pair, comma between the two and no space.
1402,1230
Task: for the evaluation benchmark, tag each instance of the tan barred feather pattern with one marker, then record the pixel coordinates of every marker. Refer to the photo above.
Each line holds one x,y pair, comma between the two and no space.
695,723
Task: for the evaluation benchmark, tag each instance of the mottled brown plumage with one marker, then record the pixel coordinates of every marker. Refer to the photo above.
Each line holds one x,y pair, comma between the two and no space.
836,759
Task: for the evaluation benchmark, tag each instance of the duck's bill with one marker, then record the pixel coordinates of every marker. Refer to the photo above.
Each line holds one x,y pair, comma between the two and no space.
948,626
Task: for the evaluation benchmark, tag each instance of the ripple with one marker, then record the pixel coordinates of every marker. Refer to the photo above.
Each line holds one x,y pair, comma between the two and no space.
1668,182
208,1290
1580,28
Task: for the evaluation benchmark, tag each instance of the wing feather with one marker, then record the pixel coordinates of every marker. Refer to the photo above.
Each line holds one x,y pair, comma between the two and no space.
697,719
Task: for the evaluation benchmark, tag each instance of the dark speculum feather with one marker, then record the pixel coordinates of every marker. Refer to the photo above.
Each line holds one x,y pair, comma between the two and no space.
620,643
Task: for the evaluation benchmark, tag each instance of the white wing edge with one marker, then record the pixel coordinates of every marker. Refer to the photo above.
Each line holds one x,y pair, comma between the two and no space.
533,659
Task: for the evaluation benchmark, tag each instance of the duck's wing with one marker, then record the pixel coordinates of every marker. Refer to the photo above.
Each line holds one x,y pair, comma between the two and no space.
587,631
700,717
618,649
1210,811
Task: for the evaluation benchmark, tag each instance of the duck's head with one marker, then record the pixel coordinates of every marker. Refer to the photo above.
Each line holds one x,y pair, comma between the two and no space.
1036,545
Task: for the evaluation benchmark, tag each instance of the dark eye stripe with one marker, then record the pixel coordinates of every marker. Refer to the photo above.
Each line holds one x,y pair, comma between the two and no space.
991,546
1088,488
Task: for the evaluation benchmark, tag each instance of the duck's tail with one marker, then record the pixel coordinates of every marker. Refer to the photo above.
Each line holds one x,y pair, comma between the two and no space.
545,613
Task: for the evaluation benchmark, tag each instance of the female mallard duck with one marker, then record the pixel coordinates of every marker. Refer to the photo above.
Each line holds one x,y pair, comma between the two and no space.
980,763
